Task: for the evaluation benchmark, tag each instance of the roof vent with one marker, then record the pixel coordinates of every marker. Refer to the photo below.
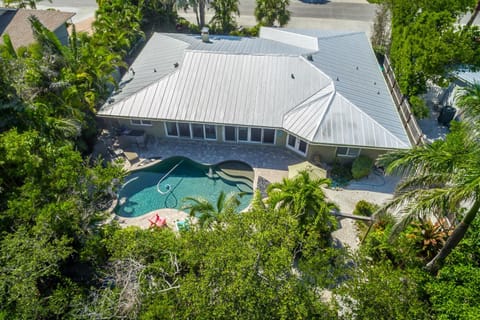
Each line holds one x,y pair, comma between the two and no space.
176,64
204,34
338,79
310,57
293,76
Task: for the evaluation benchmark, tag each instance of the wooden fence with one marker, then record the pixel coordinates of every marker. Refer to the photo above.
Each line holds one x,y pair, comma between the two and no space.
403,106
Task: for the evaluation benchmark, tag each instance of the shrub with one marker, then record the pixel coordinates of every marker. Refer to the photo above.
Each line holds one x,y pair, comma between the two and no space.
341,174
419,107
365,208
361,167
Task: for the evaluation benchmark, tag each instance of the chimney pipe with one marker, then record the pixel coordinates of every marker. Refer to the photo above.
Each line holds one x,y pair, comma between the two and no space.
204,34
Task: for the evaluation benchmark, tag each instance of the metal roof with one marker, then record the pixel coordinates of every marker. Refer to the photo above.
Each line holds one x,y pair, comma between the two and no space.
338,98
156,60
250,90
350,59
244,45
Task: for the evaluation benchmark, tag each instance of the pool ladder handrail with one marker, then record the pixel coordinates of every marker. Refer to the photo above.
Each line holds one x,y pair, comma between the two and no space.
169,187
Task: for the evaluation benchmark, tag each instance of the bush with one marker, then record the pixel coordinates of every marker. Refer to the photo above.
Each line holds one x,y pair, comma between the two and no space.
419,107
361,167
365,208
340,174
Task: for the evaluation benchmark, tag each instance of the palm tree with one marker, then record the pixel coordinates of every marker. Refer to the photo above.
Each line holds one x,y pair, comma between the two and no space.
198,7
443,178
206,212
267,12
474,15
304,197
223,18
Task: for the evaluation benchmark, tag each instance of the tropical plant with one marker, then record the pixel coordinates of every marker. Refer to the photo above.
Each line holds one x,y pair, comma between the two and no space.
223,19
22,3
303,197
440,179
429,237
208,213
365,208
428,44
361,167
198,7
269,12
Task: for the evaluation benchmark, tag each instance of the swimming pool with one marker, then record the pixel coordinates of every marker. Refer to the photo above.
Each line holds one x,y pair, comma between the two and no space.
164,185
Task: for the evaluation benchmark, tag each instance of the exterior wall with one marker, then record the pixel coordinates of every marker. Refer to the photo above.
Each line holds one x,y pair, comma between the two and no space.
157,129
320,153
373,153
315,153
327,154
62,34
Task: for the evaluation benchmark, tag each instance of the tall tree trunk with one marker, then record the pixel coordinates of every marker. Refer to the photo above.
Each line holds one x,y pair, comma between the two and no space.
454,239
474,14
201,11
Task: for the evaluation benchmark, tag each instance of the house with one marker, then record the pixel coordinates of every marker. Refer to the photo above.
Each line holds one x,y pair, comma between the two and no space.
15,23
314,92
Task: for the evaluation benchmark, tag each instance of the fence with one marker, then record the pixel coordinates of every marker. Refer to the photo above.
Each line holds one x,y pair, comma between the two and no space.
403,106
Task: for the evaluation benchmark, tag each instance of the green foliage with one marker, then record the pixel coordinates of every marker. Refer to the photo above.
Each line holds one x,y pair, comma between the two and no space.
429,237
269,12
206,212
304,198
419,107
365,208
32,4
341,173
427,44
362,167
381,291
455,292
223,19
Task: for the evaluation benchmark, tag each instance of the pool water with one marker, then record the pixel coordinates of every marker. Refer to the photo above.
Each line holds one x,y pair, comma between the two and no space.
181,177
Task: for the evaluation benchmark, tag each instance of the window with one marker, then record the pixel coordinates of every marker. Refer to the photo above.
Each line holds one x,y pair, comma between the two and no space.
140,122
197,131
210,132
255,134
268,136
348,152
302,146
184,130
171,129
291,141
297,145
242,134
230,134
191,130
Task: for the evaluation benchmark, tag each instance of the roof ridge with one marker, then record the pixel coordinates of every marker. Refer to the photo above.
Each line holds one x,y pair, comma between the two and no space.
289,55
341,35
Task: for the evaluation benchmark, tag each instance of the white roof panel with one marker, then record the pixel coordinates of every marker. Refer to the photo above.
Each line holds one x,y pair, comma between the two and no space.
339,97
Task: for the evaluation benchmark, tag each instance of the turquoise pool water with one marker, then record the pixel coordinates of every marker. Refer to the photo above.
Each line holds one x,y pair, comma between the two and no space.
180,177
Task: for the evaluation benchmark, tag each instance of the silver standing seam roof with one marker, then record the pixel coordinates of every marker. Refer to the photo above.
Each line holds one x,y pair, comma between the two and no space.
325,87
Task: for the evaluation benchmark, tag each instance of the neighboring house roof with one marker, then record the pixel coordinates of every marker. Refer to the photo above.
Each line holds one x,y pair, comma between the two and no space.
323,86
15,23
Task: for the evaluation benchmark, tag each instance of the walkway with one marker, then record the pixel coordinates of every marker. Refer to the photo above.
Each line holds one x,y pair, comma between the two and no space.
269,162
